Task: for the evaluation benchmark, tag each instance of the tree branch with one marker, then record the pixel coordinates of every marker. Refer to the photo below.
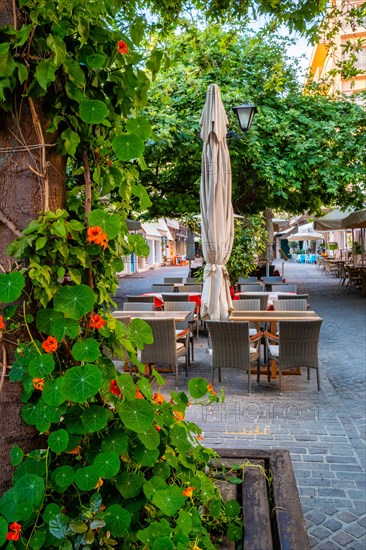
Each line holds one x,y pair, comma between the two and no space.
10,225
39,133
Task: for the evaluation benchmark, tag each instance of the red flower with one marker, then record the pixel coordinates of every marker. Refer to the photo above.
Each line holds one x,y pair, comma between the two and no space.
114,388
38,383
50,344
139,394
2,325
122,47
199,437
210,389
14,533
96,321
158,398
157,428
188,492
96,235
178,415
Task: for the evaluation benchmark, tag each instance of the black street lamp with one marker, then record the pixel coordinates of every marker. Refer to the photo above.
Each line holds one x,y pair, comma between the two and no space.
245,114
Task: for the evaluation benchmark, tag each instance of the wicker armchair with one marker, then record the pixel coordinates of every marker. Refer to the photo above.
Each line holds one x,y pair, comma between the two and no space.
138,306
171,280
197,287
190,321
283,287
261,296
253,287
133,298
296,347
162,288
191,281
290,305
248,305
292,296
175,297
247,280
165,348
232,348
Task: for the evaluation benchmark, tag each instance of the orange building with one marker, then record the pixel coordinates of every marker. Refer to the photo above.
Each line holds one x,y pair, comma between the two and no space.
326,57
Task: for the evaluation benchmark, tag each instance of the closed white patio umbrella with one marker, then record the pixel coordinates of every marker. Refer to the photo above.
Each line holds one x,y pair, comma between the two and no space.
217,224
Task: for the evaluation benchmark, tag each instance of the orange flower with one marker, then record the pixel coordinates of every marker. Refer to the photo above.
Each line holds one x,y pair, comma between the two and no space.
99,484
2,325
188,492
38,383
199,437
96,321
158,398
157,428
122,47
75,451
114,388
14,533
178,415
94,232
139,394
210,389
50,344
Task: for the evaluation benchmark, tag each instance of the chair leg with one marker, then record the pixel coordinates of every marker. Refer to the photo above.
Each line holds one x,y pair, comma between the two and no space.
318,378
280,379
192,347
249,380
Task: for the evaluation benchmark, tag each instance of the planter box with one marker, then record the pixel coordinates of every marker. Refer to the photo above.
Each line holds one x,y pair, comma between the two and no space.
273,518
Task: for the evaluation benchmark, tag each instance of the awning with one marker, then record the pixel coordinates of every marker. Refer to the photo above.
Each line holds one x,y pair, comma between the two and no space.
356,219
172,223
133,225
332,221
151,229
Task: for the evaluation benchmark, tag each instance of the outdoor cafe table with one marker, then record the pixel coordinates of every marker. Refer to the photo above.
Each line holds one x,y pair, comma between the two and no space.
272,317
192,297
178,316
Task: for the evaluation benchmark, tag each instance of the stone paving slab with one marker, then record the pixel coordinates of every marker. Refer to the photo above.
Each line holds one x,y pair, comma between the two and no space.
324,431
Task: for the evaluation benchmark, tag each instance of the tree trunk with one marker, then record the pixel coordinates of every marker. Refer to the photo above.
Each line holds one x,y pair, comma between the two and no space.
32,179
269,226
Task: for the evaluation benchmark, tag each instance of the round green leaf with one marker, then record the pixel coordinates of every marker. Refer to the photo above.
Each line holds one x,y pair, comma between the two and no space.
234,532
139,126
117,520
16,456
154,484
74,301
51,322
162,543
64,476
93,111
11,509
150,438
29,413
116,441
37,539
107,464
232,508
137,415
41,366
50,511
53,414
81,383
58,441
29,488
53,392
127,386
197,387
87,478
144,457
96,60
86,350
3,530
110,223
128,147
169,500
11,286
129,484
95,418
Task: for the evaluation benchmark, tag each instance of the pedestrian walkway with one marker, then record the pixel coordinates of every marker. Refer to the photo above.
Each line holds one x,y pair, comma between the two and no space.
324,431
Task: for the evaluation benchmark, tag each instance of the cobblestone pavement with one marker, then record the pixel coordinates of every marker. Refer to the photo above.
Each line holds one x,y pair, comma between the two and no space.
324,431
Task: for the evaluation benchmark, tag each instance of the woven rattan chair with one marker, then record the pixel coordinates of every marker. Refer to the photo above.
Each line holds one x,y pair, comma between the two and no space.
247,280
261,296
191,288
255,287
162,288
171,280
290,305
231,347
189,322
354,278
283,287
272,279
292,296
191,281
296,347
248,305
165,348
138,306
133,298
175,297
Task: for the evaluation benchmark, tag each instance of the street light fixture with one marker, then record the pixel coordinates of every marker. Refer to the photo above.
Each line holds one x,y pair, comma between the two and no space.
245,114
